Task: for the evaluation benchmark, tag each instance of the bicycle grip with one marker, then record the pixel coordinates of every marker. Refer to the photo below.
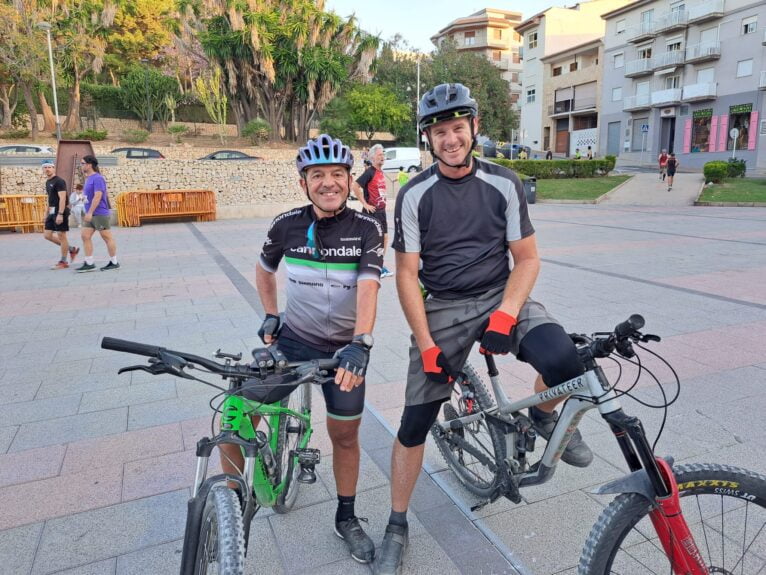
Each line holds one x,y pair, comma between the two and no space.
130,346
328,364
629,326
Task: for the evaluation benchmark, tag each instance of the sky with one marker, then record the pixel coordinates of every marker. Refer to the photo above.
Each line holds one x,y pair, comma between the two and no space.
418,20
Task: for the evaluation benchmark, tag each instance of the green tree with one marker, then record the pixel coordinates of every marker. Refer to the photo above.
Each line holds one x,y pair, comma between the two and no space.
283,60
336,121
375,108
212,93
133,92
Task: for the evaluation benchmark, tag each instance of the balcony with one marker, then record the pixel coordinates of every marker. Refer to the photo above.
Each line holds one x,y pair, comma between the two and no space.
706,11
675,20
643,31
637,102
584,103
668,59
762,83
700,92
638,67
561,108
668,97
703,52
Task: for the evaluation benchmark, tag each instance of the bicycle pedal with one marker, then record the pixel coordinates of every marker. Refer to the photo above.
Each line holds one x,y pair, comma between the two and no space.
307,476
308,456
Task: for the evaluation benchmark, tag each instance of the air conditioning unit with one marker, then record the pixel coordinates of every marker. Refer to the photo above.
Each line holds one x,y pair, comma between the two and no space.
667,113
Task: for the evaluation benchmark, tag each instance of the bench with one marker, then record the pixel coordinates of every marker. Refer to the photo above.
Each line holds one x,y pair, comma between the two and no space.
134,207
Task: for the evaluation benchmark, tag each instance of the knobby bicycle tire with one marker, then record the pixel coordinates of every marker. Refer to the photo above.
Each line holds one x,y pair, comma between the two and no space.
290,434
724,506
478,478
221,547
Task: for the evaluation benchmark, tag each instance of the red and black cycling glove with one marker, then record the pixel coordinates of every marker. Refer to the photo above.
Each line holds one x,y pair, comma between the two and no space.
436,366
497,334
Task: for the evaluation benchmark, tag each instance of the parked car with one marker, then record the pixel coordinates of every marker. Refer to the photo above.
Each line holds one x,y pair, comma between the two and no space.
138,153
26,149
405,158
229,155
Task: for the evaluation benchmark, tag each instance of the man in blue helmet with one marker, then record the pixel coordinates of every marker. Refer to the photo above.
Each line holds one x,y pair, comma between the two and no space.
333,257
458,226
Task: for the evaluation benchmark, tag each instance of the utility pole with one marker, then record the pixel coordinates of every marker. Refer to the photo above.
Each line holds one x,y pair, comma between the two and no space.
149,113
47,27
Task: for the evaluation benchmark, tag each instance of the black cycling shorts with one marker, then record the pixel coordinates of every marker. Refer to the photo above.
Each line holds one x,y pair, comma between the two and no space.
340,404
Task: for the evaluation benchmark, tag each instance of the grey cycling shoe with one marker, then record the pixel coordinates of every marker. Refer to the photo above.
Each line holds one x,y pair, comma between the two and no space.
577,452
361,546
389,559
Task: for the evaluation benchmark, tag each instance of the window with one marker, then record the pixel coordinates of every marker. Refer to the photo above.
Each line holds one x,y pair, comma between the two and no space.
530,95
617,94
701,130
619,60
514,97
556,71
497,33
469,38
672,82
619,26
516,58
739,118
706,76
744,68
674,45
573,67
515,77
644,52
749,25
532,40
497,55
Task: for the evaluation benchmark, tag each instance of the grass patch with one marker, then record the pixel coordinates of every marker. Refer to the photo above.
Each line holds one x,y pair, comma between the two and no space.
736,190
577,188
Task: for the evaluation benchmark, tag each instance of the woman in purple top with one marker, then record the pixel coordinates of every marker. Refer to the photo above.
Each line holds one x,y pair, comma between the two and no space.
96,216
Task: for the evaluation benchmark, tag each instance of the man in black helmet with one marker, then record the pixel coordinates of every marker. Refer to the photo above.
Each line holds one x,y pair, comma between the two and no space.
333,256
456,224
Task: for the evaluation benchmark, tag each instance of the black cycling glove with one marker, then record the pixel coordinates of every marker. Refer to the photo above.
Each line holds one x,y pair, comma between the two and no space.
353,358
270,326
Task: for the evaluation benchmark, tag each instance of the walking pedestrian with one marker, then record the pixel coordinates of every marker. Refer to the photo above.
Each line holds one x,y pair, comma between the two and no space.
672,166
662,159
96,216
57,220
548,154
77,204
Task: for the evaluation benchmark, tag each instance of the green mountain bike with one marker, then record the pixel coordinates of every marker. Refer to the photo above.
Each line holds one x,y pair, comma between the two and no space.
277,461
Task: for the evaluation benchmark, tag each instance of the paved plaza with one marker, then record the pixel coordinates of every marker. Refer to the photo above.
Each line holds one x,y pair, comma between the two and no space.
95,468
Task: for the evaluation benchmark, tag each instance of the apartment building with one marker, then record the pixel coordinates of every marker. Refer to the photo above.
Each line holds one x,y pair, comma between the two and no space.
570,99
686,76
546,33
490,33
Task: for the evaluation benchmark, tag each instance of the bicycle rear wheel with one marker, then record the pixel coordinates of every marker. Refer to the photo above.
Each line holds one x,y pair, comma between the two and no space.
221,546
476,464
725,508
290,434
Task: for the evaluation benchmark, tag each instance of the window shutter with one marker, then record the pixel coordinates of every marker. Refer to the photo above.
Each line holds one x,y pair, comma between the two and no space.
687,135
713,133
752,131
723,133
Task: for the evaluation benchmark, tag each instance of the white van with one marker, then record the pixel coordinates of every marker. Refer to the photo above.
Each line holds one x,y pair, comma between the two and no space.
407,158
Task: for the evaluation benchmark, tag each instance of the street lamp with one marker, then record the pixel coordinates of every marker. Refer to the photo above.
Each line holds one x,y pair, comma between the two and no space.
149,113
47,27
417,103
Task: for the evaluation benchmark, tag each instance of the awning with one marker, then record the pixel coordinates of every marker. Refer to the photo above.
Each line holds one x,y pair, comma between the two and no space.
665,71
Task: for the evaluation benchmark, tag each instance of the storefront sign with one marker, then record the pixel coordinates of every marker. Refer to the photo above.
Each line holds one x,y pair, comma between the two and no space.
707,113
741,109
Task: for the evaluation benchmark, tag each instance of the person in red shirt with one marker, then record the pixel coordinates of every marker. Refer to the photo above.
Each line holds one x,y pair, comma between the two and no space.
370,190
663,161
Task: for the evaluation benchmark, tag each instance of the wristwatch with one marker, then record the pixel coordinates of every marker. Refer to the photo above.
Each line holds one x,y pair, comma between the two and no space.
365,339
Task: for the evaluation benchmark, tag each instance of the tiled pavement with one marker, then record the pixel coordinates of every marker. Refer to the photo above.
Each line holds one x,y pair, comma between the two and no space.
95,468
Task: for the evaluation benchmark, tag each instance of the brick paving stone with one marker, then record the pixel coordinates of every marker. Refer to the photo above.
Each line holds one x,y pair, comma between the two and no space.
58,496
168,411
161,474
72,428
6,437
40,409
18,392
80,383
165,558
98,568
31,465
133,395
17,548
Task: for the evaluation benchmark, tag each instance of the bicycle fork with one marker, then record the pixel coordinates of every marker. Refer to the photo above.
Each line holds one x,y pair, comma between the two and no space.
654,479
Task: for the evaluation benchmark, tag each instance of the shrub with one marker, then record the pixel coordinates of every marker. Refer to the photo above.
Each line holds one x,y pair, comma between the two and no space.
736,168
135,136
715,171
177,130
548,169
257,130
92,135
15,134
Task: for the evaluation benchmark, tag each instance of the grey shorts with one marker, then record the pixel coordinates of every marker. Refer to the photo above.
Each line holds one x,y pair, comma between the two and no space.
97,223
455,326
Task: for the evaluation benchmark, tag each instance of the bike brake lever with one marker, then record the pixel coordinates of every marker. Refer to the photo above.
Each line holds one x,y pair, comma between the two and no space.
172,361
135,368
649,337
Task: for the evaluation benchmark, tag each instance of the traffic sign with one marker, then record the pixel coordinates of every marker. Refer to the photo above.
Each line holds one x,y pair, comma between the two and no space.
733,133
644,128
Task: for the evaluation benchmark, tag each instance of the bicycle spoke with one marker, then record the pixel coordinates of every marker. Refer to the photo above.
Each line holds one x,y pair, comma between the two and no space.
704,530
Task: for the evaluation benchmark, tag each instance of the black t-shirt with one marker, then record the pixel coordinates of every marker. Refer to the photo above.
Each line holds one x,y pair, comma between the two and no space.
53,186
461,228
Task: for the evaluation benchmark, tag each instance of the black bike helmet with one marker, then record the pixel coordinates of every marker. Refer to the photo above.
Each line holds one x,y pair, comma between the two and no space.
446,102
324,150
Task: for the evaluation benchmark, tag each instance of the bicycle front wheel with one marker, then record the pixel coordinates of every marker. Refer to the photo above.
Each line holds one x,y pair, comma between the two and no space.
725,508
221,546
473,451
290,434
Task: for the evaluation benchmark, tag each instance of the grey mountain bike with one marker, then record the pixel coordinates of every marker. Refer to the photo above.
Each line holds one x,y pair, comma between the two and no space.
693,519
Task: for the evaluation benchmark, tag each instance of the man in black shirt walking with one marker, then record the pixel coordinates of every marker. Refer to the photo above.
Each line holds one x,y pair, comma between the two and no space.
57,219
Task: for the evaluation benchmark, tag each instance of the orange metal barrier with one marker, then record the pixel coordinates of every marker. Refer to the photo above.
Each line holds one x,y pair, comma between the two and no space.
133,207
23,212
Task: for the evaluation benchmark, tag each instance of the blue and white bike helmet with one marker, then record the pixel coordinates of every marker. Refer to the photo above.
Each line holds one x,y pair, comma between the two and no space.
324,150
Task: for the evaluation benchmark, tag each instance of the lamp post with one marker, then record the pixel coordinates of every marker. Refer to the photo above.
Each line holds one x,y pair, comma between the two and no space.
47,27
417,103
149,113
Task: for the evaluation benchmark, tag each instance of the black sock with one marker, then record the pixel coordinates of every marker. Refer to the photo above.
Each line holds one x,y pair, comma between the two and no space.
345,508
398,518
